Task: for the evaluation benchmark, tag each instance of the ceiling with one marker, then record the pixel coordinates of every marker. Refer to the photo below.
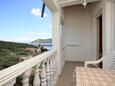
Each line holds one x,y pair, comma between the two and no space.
65,3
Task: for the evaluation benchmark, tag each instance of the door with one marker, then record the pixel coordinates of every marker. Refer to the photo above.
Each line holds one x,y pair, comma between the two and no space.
100,39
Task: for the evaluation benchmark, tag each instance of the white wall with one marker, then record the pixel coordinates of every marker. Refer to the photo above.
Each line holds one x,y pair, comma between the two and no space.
114,26
62,49
80,29
96,12
77,30
54,7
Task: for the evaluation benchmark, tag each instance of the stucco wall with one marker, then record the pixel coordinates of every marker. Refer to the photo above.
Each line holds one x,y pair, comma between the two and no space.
77,30
114,26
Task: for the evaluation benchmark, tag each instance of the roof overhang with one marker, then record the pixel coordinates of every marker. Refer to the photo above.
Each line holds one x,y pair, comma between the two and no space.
64,3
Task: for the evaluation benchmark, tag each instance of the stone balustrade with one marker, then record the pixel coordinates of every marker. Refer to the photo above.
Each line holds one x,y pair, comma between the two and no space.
43,67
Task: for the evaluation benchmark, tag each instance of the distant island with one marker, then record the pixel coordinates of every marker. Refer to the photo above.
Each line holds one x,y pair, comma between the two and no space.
39,41
46,43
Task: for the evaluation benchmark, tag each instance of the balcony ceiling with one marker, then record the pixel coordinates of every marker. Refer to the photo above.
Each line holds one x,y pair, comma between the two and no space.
65,3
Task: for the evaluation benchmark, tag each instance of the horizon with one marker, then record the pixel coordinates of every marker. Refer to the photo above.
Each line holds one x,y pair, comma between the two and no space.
24,42
21,21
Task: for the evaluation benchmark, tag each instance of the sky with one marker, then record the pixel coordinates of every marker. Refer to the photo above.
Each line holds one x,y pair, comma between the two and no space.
20,21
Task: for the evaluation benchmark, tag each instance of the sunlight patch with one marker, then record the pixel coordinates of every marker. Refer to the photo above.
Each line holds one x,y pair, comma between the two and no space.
50,26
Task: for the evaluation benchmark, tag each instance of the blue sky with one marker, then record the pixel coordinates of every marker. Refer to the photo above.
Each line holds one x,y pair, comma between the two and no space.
20,21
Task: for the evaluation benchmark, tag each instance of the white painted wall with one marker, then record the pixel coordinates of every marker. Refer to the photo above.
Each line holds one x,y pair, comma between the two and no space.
62,48
80,30
96,12
105,7
78,41
114,26
107,29
77,31
54,7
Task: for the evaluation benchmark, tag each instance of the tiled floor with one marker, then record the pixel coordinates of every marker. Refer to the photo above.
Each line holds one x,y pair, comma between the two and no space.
67,78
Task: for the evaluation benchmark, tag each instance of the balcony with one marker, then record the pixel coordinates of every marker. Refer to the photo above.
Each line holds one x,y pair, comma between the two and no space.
43,67
74,43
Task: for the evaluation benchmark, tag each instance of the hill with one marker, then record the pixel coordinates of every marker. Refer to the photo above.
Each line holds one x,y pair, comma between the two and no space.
8,45
38,41
10,53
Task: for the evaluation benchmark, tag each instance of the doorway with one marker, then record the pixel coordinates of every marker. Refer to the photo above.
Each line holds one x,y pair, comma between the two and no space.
100,40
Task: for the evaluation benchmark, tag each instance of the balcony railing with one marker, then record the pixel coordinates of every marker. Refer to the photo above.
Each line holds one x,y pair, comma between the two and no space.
44,67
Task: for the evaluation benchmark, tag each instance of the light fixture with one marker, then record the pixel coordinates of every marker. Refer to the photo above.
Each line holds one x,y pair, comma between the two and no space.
84,2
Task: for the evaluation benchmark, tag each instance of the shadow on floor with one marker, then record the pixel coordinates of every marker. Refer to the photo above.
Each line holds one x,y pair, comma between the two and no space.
68,76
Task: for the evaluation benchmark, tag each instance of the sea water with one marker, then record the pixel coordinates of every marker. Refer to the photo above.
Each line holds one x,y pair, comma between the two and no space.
47,45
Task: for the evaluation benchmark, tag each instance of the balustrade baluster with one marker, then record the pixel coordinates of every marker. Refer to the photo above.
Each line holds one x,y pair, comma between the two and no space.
25,78
54,69
51,72
43,75
48,73
36,81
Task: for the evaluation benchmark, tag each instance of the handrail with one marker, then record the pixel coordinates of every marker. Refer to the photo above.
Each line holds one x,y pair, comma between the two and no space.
14,71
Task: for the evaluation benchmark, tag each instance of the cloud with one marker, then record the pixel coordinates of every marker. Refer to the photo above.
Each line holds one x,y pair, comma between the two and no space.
37,12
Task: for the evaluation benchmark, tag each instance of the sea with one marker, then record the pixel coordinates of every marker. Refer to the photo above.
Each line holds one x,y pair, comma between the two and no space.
47,45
